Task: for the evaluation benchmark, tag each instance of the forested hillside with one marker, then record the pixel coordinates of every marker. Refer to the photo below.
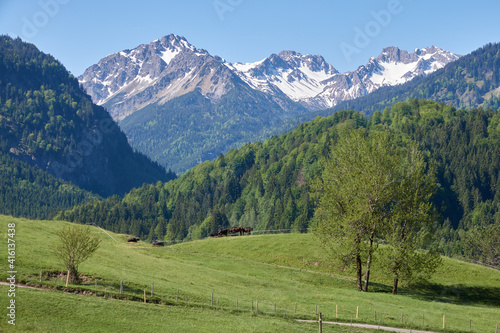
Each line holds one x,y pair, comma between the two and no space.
267,185
191,127
49,122
469,82
29,192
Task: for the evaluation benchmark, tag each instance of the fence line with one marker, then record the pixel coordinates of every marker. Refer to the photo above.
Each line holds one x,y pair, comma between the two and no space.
286,308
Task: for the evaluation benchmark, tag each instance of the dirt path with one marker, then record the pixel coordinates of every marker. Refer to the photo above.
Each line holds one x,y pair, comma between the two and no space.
385,328
18,285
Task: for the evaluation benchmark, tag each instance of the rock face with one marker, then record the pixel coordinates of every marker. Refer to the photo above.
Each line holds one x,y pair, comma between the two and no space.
127,81
170,67
315,84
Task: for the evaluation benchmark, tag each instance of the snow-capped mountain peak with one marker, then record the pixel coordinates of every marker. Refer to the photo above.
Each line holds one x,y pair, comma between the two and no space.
169,67
297,76
395,66
156,72
316,84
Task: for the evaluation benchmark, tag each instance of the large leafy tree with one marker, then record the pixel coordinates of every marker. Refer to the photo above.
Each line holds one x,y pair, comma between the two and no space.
410,221
366,192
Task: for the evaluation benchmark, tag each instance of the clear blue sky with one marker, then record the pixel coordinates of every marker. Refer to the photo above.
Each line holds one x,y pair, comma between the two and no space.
346,33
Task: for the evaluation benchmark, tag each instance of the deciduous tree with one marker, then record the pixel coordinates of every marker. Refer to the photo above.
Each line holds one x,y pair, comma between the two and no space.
76,244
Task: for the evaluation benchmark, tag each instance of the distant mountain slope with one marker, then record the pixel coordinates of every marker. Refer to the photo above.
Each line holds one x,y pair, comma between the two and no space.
158,72
170,67
190,129
471,81
49,122
317,85
26,191
192,106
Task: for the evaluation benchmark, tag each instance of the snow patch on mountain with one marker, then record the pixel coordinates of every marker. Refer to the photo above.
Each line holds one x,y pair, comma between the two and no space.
169,67
316,85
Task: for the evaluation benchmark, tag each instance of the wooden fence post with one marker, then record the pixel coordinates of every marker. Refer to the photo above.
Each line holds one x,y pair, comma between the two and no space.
41,275
217,303
496,330
336,310
320,323
257,306
212,300
470,324
152,288
444,322
177,297
274,307
121,287
295,307
55,283
401,317
375,315
105,289
423,320
357,312
95,285
67,278
236,303
144,295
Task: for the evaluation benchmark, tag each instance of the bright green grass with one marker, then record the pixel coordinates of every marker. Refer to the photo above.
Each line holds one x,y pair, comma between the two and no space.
281,269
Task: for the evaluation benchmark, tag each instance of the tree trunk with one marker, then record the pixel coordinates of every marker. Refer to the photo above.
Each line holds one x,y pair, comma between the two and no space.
73,275
358,272
368,263
395,286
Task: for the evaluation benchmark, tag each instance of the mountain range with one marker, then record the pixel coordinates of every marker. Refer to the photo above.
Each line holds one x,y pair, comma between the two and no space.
170,67
471,81
223,104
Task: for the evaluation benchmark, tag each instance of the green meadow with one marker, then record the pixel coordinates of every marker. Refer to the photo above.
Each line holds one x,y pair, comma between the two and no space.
287,275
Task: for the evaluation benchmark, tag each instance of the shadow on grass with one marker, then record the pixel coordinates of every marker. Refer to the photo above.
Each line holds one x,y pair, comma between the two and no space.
456,294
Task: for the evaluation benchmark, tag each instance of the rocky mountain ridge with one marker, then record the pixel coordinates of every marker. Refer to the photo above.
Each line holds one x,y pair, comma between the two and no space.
170,67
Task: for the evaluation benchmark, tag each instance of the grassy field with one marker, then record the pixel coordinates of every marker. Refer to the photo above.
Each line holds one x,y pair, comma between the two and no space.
287,270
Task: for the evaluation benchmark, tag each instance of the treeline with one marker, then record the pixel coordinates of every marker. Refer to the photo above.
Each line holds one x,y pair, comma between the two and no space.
49,122
267,185
466,83
28,192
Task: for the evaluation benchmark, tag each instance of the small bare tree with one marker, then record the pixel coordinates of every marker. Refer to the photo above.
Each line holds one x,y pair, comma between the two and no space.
76,245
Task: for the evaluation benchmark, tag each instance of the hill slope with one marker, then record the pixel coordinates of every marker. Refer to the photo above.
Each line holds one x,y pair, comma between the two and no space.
281,269
47,121
266,185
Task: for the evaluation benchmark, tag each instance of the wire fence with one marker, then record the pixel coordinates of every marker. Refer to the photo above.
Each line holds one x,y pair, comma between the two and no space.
331,311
